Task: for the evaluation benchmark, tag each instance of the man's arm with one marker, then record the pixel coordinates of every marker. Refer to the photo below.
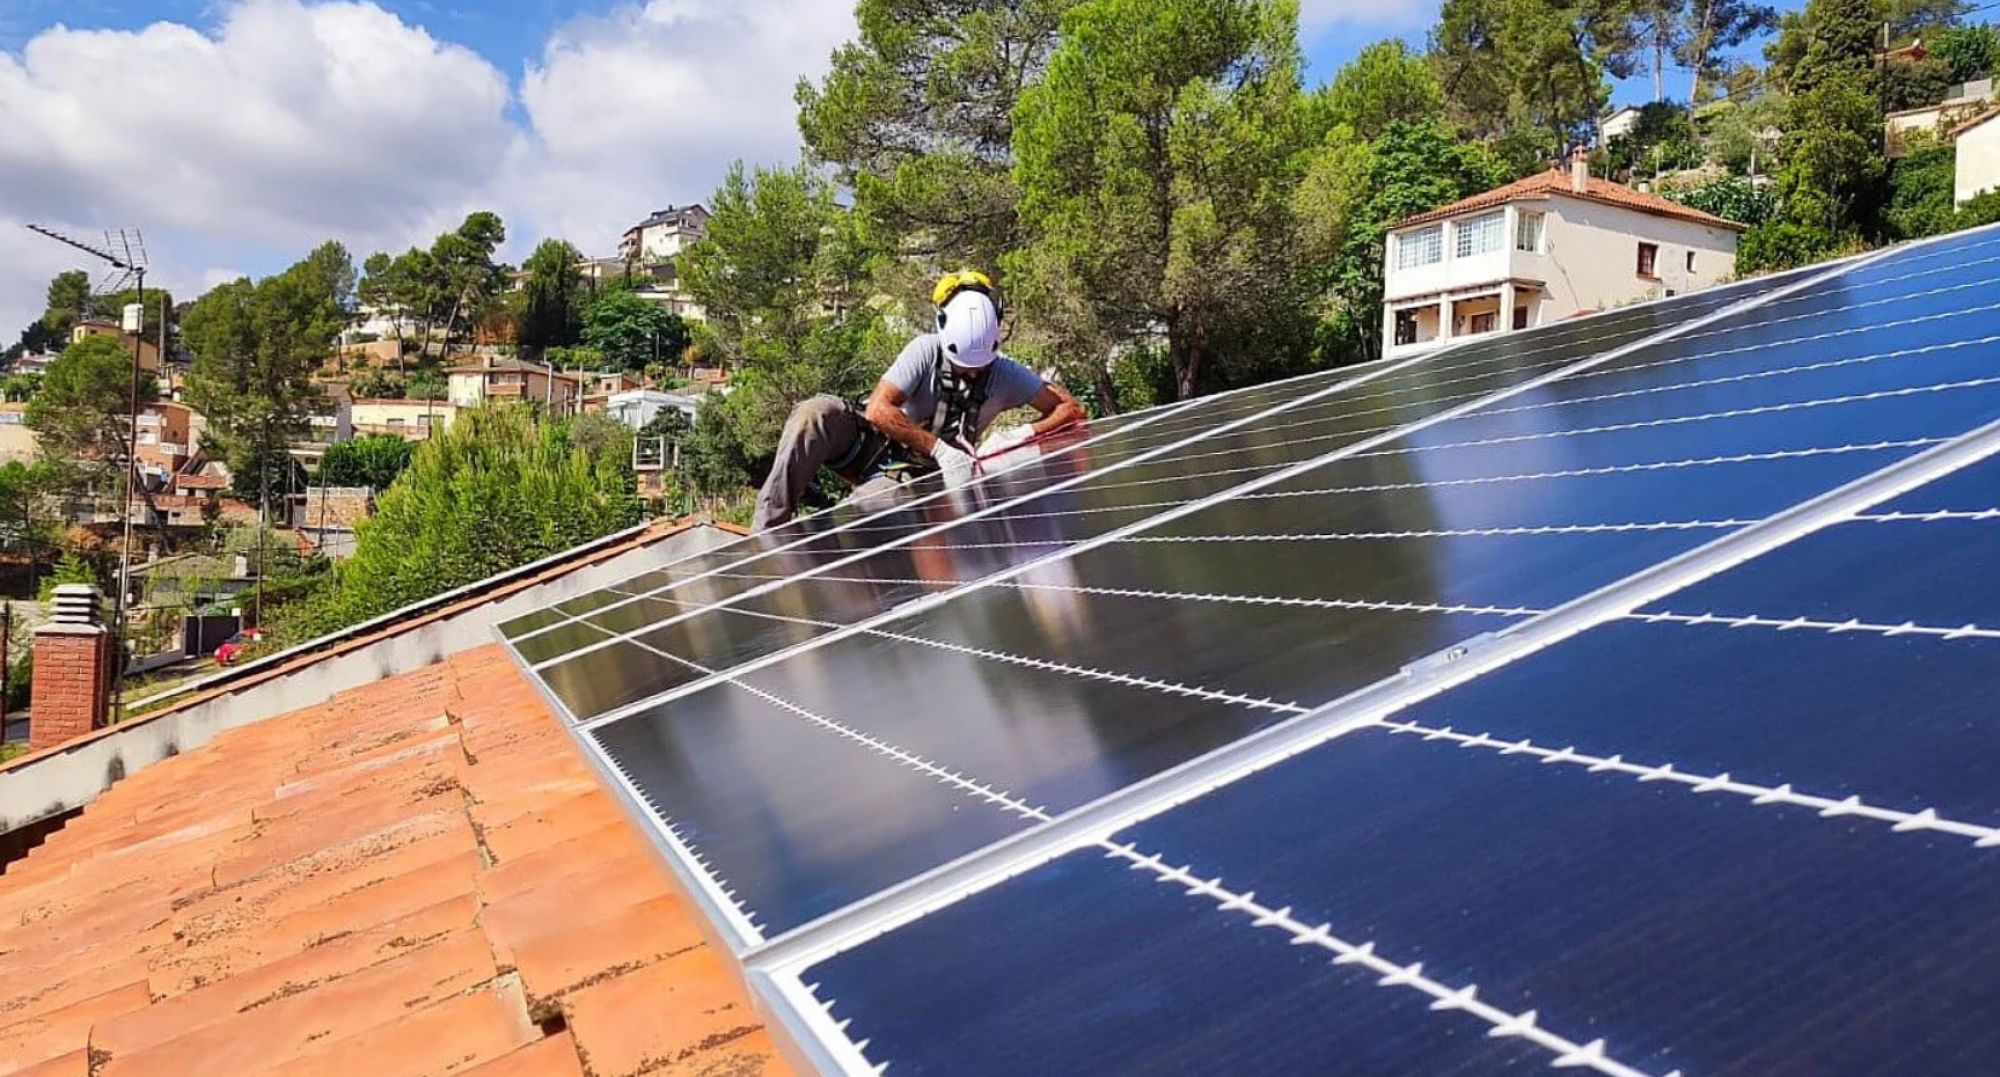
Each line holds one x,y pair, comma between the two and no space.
1057,407
885,413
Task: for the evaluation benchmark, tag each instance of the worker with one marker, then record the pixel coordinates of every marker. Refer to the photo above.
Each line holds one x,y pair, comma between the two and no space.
925,415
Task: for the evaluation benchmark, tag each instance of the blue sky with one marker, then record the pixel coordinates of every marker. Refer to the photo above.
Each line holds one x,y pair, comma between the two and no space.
240,133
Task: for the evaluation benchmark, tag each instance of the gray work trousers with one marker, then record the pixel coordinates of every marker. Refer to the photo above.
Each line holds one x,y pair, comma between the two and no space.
820,431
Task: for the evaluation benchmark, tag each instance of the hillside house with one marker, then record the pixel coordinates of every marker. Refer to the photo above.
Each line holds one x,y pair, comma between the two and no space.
473,384
1540,250
1978,167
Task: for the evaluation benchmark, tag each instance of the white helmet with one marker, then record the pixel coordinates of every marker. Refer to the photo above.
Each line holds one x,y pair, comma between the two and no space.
969,328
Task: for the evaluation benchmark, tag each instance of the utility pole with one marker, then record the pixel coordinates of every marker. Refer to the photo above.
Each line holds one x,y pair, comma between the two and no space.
129,258
1882,88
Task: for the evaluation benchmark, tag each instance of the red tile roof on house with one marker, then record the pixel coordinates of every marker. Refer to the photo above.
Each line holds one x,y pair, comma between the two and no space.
419,877
198,482
1556,181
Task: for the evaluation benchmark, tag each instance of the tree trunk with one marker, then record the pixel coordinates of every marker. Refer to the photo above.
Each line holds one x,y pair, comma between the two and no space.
1184,355
1107,393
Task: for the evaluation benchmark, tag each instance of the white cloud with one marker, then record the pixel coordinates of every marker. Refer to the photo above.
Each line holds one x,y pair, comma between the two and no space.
285,125
649,104
246,143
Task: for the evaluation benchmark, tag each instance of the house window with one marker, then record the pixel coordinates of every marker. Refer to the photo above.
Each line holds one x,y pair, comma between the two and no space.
1528,234
1690,262
1481,235
1520,317
1649,260
1483,323
1420,248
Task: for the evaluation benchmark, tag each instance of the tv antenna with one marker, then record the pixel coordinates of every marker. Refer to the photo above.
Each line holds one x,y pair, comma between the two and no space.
124,250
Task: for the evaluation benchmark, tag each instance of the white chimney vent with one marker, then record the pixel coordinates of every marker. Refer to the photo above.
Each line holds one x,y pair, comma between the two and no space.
79,604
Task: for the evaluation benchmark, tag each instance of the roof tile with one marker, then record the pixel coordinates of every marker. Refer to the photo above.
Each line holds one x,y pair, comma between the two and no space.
335,959
349,889
659,1016
452,1036
568,956
266,1031
52,1035
1556,181
551,1057
74,1064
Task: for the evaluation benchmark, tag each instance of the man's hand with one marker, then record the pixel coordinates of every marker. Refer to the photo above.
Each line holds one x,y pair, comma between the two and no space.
1057,408
885,414
1002,440
955,463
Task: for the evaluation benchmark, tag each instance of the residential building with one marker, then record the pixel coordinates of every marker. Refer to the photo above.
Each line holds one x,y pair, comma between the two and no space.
326,518
650,251
414,420
1978,157
473,384
641,406
17,442
149,352
1965,102
664,235
167,432
1540,250
1620,123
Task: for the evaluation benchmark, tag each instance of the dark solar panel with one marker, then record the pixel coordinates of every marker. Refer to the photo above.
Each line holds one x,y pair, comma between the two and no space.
1744,828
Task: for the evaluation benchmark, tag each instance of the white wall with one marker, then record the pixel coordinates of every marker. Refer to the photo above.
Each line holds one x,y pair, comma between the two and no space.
1978,161
1592,256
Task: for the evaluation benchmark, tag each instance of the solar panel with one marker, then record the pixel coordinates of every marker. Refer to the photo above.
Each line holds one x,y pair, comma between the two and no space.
1678,842
975,738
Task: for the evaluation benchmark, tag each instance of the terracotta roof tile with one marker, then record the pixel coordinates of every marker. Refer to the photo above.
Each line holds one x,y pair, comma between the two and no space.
1556,181
413,878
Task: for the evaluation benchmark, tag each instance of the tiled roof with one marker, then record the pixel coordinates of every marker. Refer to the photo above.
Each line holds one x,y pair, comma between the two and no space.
1978,121
418,877
198,482
1556,181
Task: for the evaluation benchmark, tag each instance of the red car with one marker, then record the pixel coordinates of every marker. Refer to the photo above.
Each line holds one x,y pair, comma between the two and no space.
234,646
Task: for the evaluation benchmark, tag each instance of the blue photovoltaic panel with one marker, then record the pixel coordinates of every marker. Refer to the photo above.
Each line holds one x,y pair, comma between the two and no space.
1451,377
1099,669
1748,829
596,664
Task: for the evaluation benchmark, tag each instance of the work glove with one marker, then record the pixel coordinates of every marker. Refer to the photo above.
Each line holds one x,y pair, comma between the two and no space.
1002,440
954,463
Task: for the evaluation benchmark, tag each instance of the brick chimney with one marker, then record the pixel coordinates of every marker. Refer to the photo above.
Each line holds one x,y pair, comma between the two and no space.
72,669
1579,170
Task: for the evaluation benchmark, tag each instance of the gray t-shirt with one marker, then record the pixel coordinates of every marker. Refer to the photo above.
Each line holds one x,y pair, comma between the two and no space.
1009,384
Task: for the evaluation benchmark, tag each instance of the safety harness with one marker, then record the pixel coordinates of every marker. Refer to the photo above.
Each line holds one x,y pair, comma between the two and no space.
959,401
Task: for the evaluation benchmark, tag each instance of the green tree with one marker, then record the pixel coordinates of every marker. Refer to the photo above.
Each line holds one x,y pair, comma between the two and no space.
1155,160
783,277
331,270
256,347
36,338
1833,165
1355,192
1731,198
1921,191
373,461
83,414
68,300
1529,76
1712,30
552,315
499,489
1972,52
917,117
631,331
1386,83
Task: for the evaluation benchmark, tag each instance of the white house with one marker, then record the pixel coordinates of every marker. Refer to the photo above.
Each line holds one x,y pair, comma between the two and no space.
664,235
1620,123
1978,158
638,407
1540,250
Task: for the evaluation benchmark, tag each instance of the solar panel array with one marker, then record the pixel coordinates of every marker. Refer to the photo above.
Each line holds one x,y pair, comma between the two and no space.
1606,695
